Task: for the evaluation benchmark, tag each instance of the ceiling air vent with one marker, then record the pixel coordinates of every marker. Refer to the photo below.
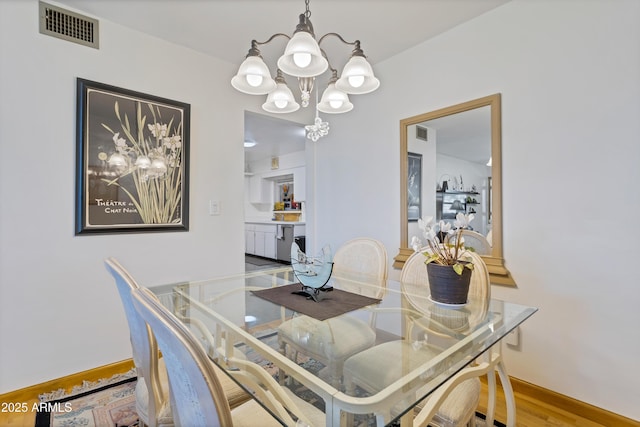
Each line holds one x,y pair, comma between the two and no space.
66,25
421,133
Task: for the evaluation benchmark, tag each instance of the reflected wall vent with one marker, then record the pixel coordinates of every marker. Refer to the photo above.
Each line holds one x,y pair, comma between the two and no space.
421,133
67,25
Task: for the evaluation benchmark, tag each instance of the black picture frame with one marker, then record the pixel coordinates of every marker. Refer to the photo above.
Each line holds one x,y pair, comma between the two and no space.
132,161
414,186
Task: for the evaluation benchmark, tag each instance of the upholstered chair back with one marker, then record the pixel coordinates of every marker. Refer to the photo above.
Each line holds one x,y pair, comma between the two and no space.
151,400
197,396
360,266
475,240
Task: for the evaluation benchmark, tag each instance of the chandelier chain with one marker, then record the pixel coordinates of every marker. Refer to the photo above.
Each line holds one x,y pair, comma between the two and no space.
307,12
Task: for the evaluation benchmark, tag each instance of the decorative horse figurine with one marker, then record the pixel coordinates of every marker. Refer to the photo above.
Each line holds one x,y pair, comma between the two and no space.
313,273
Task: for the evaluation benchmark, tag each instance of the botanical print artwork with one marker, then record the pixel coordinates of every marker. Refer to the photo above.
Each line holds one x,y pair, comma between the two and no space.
134,161
152,157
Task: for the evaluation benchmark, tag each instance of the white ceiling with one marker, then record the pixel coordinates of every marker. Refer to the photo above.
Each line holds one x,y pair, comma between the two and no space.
465,135
273,136
225,28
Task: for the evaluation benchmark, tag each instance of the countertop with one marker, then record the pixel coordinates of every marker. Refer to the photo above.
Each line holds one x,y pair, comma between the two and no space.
275,222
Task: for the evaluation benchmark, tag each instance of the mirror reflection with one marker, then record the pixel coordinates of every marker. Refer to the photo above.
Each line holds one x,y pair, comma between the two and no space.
449,169
450,163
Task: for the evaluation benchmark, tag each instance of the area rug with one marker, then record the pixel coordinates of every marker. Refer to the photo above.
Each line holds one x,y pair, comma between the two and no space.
104,403
114,405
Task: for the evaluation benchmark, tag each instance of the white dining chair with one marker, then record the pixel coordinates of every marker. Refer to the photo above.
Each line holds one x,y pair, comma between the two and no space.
459,397
372,370
360,266
197,395
475,240
152,388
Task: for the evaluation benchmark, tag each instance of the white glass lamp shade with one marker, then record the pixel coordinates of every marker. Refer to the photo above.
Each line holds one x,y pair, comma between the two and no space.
253,77
357,77
334,101
281,100
302,57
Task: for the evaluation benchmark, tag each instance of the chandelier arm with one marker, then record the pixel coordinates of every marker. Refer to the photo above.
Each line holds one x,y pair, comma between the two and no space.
333,70
357,51
339,37
255,43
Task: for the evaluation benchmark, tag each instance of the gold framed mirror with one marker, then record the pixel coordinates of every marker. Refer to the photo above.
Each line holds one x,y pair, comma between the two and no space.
469,141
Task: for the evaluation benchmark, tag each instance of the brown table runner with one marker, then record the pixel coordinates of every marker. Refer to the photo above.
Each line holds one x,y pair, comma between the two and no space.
333,304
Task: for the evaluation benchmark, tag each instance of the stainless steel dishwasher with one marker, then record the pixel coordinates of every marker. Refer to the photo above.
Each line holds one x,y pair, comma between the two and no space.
284,237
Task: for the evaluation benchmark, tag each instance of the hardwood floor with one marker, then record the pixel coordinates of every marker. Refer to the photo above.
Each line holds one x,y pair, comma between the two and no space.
531,412
13,418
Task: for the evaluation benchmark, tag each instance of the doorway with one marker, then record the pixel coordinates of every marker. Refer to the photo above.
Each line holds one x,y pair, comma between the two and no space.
274,153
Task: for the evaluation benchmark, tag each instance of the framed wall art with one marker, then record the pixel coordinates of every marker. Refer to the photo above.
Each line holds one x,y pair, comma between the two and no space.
414,186
132,161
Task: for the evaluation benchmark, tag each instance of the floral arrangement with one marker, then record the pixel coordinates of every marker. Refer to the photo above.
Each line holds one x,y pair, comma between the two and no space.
451,251
151,153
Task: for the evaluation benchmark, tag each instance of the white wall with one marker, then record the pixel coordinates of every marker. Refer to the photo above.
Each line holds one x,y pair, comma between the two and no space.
568,74
571,102
59,309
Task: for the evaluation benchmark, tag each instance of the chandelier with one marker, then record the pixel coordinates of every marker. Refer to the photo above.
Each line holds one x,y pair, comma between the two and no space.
305,60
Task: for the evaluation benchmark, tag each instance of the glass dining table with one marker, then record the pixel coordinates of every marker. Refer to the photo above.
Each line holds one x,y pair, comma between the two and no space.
417,345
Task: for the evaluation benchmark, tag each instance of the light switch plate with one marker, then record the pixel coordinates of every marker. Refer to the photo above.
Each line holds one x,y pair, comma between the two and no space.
214,207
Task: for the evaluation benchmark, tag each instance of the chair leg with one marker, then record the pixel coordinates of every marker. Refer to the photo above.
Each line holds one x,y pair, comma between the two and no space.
508,394
380,419
349,390
335,372
283,351
491,398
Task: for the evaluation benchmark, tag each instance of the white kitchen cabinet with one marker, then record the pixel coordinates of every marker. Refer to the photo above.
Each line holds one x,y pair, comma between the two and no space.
261,190
249,238
260,240
270,243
